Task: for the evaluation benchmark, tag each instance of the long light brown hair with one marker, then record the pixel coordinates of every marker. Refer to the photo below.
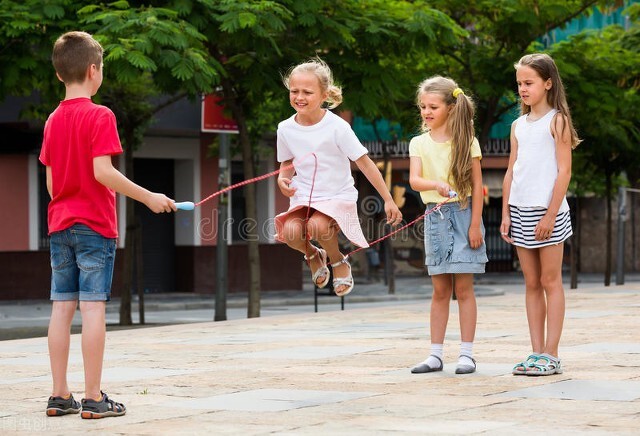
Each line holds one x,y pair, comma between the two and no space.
544,65
459,126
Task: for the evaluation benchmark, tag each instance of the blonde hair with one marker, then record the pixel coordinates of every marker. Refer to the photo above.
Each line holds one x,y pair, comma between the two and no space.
73,53
321,70
544,65
460,126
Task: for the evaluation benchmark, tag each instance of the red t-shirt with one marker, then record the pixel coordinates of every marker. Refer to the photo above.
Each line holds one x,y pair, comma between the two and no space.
76,132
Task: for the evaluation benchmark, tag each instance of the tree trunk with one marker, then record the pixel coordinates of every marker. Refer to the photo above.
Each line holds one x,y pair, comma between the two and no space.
139,270
389,270
486,119
253,247
253,256
388,260
608,261
127,276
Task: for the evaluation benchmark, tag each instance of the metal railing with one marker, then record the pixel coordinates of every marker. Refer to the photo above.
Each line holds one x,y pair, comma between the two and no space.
393,148
400,149
496,147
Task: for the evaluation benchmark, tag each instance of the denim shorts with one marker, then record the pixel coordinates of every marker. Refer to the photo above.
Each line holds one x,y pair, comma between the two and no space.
81,264
446,242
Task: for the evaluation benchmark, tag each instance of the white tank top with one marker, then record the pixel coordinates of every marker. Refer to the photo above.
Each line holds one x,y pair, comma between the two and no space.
536,169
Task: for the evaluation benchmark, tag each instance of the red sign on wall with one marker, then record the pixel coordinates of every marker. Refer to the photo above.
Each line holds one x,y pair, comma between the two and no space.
213,118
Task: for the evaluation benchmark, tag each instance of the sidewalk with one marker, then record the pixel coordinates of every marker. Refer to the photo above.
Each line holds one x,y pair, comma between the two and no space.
30,318
347,372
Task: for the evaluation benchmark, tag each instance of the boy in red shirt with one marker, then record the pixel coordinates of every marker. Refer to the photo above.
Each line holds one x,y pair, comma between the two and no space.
79,139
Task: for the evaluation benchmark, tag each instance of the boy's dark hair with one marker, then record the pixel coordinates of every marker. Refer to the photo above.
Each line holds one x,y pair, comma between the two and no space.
73,53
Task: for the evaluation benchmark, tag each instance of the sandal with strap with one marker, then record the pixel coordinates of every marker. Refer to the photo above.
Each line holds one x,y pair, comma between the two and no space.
58,406
92,409
343,281
423,367
467,368
550,365
521,368
323,270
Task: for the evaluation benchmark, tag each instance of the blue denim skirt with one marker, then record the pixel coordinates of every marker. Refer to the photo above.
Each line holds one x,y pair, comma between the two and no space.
446,242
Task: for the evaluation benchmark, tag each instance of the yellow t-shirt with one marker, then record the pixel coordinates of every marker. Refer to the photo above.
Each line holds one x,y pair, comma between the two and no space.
436,160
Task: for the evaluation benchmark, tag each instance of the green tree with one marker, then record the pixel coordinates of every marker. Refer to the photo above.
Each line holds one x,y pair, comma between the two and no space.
148,51
255,42
151,52
601,70
28,29
499,33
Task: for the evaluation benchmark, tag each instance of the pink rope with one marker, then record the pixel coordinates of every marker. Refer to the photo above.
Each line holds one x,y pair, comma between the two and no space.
307,238
434,209
313,180
257,179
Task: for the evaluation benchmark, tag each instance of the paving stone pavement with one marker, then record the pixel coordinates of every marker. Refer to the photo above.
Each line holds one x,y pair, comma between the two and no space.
348,372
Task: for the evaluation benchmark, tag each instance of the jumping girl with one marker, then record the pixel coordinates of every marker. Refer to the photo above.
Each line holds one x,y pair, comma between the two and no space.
320,145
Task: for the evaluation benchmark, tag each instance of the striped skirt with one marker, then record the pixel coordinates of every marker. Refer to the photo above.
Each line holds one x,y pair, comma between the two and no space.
523,225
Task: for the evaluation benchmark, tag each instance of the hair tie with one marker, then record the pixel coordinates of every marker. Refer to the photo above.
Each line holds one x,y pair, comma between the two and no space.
457,92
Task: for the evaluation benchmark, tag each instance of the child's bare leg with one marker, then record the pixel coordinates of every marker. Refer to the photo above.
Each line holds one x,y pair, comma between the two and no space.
439,315
534,297
468,314
551,279
325,230
438,319
59,338
293,230
467,307
294,235
93,338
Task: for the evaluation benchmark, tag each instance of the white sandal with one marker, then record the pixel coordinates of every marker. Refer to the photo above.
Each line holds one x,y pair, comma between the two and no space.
343,281
320,271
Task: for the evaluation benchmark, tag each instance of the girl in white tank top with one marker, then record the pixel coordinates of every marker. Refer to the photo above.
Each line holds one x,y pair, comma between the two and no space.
535,212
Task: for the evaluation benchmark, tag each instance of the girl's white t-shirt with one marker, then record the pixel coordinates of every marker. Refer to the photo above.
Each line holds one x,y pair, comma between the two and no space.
536,169
334,144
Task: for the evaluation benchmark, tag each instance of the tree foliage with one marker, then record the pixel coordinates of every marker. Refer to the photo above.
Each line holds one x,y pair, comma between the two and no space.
499,33
256,42
379,50
153,40
27,31
148,51
601,71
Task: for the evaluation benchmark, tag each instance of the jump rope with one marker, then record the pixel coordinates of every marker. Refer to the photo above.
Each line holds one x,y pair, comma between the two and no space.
188,205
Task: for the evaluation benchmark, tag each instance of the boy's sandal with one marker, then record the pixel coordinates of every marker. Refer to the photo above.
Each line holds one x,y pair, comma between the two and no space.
550,365
521,368
58,406
92,409
322,271
343,281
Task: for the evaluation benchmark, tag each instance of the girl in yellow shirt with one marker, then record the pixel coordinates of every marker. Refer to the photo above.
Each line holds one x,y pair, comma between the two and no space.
445,158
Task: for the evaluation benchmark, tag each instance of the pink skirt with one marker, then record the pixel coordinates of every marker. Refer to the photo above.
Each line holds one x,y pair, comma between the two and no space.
345,213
